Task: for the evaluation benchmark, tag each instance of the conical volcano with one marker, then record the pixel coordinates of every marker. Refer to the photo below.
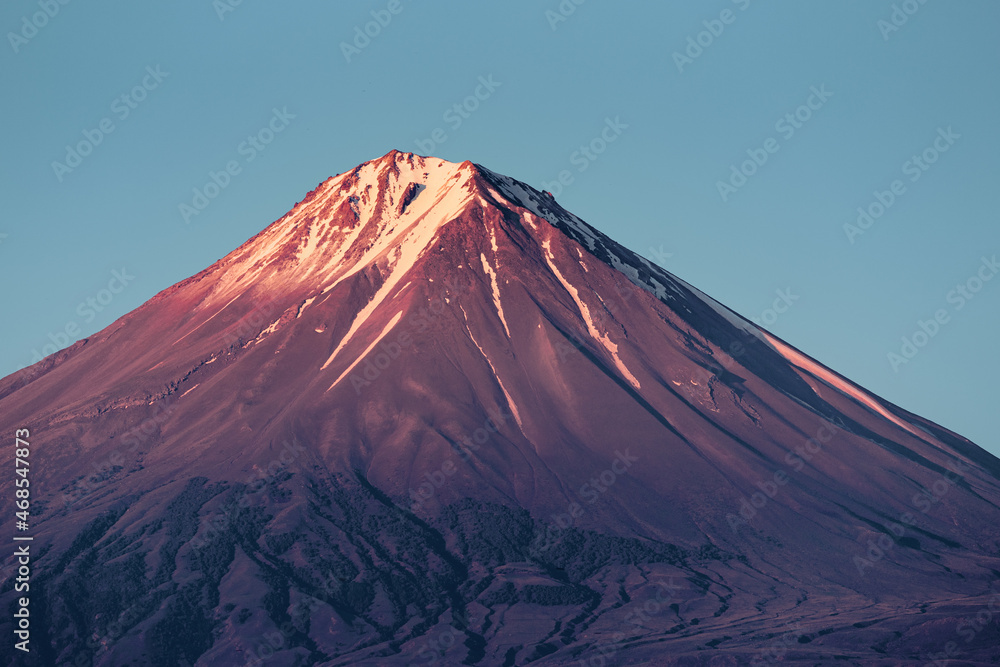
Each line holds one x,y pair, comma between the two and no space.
431,417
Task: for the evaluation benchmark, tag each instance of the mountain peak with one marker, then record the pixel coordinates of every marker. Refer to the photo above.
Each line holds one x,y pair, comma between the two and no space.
464,375
390,206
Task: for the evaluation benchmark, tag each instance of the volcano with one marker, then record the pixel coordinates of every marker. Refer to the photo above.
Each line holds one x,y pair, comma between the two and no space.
431,417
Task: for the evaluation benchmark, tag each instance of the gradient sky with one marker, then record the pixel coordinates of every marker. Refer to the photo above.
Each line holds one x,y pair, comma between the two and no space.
655,188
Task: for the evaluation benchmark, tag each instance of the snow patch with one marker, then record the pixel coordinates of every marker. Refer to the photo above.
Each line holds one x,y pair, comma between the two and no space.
206,321
303,306
829,377
603,338
496,376
267,332
446,199
364,354
496,291
730,316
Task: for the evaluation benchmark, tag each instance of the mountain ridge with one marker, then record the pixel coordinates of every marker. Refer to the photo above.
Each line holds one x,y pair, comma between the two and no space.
503,423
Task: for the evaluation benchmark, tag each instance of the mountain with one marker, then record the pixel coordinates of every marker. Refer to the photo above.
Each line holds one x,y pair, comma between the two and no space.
431,417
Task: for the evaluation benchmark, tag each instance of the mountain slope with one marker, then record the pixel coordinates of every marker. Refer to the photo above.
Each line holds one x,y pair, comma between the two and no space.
429,414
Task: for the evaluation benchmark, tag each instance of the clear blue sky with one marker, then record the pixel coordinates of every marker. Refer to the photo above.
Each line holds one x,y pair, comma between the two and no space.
655,188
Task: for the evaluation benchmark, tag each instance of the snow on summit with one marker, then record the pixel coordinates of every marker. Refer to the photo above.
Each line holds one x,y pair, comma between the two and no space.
447,378
388,207
389,212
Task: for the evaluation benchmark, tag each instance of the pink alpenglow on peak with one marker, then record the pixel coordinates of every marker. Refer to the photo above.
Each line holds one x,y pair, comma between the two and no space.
429,414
